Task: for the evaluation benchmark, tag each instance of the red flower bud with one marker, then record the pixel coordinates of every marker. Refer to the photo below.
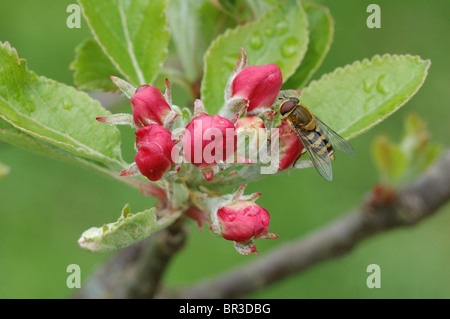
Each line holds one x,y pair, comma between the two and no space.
242,221
149,106
290,146
155,146
154,133
209,140
260,85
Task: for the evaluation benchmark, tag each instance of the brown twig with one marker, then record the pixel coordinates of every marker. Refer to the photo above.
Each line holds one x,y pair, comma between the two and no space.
414,203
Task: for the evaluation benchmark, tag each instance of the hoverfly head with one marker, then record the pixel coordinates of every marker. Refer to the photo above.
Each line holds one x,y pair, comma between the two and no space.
288,104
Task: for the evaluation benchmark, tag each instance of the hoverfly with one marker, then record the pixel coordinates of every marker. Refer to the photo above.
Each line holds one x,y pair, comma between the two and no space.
318,138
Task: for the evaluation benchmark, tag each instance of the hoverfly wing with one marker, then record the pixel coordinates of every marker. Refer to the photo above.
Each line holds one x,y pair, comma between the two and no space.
337,141
322,164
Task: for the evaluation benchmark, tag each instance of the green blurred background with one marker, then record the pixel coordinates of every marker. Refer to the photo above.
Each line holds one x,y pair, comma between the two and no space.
45,205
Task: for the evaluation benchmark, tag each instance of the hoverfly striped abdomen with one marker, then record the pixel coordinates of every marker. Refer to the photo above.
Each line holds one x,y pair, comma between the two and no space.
319,143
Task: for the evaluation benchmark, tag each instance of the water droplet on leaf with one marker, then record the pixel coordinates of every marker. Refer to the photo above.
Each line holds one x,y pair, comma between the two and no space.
67,105
282,28
268,33
381,86
289,47
256,41
230,61
368,85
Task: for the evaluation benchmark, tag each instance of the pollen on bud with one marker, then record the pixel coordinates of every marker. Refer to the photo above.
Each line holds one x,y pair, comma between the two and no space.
149,106
290,146
209,140
259,85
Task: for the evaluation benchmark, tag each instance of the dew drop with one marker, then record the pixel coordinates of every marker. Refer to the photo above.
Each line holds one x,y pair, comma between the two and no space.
289,47
268,33
368,85
282,27
381,87
67,105
230,61
256,41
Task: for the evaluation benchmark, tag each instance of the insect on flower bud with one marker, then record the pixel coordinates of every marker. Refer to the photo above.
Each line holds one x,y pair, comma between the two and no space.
155,148
149,106
290,146
259,85
209,140
243,221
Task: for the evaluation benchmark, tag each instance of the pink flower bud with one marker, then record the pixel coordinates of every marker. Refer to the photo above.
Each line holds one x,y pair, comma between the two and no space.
290,146
260,85
209,140
149,106
155,148
243,221
251,135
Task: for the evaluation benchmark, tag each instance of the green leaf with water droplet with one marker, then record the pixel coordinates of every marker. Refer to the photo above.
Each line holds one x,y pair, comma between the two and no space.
54,113
280,36
93,68
132,34
321,30
354,98
127,230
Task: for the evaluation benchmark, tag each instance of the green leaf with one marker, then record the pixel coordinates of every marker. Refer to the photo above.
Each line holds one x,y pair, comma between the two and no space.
128,229
16,137
213,21
133,35
54,113
280,36
93,68
184,25
321,30
399,163
4,170
354,98
390,159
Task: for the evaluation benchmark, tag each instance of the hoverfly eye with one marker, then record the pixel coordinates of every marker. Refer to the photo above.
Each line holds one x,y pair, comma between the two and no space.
295,100
286,107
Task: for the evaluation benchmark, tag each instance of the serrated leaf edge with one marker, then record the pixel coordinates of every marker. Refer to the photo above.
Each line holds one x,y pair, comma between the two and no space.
366,61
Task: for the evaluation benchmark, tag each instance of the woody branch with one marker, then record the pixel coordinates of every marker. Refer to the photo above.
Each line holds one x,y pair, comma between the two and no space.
414,203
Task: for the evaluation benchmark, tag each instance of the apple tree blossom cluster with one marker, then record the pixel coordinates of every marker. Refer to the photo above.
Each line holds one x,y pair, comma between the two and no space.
181,152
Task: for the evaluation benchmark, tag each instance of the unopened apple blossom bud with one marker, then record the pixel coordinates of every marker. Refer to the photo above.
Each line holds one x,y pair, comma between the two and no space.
149,106
209,140
243,221
155,151
259,85
290,146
